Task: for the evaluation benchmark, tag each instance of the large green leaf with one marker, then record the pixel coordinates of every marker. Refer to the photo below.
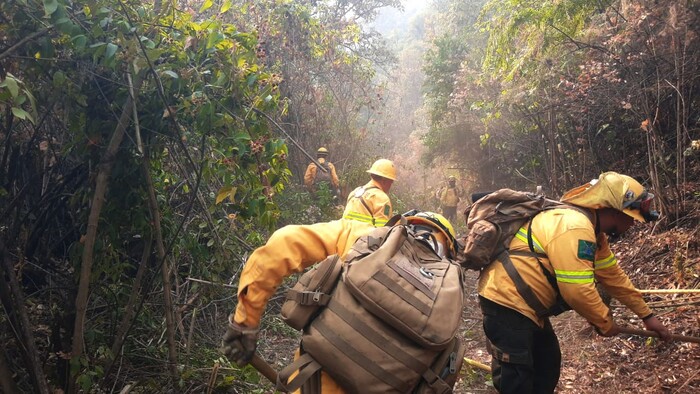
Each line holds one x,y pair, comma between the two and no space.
50,6
11,84
206,5
110,51
22,114
225,7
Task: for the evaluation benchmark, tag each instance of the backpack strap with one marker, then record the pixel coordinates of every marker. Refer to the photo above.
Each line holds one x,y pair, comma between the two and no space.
560,305
309,370
435,383
359,192
523,288
362,200
396,219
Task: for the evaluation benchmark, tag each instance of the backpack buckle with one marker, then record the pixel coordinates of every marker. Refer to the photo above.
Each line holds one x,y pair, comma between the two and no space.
317,296
453,363
426,273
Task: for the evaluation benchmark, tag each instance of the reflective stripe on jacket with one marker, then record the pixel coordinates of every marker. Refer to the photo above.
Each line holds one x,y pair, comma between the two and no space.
576,257
378,208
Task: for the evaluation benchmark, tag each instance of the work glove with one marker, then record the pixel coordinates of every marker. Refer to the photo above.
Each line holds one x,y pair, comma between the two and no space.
653,324
239,343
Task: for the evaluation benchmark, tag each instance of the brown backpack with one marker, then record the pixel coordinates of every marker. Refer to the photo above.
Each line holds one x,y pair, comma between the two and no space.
323,174
390,323
492,221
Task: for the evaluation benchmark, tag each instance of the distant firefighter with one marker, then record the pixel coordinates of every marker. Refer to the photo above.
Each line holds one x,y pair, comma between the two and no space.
314,176
449,198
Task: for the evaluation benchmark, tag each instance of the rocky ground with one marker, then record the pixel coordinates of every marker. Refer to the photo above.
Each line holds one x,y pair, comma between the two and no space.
591,363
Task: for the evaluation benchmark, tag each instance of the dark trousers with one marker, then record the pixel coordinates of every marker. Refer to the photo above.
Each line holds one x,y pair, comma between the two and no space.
526,358
449,212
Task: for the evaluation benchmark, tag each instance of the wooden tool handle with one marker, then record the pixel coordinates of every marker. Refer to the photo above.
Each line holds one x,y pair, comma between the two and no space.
647,333
264,368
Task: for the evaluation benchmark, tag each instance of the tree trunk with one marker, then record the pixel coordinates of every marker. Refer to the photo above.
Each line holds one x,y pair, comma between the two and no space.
7,385
104,171
165,270
13,300
131,306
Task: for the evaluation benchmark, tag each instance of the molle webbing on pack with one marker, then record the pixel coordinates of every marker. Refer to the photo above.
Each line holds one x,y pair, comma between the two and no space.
392,320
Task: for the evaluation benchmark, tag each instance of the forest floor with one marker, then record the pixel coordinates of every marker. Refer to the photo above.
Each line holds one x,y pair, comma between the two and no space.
591,363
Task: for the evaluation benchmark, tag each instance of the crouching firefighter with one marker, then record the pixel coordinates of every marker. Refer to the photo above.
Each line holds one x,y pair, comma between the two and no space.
556,257
408,263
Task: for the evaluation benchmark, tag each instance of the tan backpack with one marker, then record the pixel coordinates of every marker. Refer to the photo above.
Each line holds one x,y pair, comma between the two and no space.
390,323
492,222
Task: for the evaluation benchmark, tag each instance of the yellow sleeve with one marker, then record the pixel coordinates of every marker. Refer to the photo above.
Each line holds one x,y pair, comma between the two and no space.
334,176
310,175
615,281
289,250
571,255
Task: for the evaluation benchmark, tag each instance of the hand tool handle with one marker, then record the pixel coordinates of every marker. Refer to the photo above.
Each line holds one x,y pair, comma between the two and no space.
647,333
264,368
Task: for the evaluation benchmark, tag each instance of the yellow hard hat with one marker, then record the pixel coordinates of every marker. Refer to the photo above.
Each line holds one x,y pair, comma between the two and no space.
438,222
322,151
383,168
616,191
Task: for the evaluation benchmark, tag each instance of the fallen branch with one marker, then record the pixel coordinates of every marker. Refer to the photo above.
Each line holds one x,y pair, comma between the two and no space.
259,112
665,303
212,378
189,278
23,41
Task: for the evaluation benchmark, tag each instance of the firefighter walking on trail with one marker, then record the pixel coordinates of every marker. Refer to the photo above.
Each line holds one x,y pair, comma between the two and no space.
370,203
314,176
449,198
559,255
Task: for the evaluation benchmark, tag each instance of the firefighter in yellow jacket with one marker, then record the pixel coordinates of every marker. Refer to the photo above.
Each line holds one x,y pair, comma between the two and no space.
370,203
289,250
573,247
449,198
314,176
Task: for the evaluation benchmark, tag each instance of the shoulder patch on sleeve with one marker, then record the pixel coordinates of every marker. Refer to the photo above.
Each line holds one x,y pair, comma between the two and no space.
386,210
586,250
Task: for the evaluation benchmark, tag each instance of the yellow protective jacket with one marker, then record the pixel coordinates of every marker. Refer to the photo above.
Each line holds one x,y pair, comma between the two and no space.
311,169
449,197
376,209
576,257
292,249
